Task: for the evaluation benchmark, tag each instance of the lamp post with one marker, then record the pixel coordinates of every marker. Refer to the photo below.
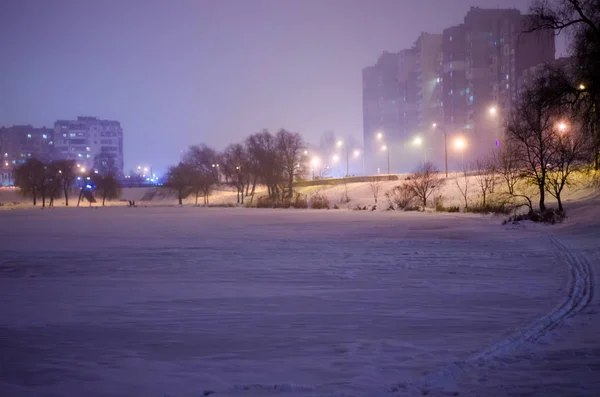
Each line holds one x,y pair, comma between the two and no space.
493,111
445,147
386,148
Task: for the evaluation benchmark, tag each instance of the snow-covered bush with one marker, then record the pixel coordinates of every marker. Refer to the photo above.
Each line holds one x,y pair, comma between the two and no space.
401,197
319,201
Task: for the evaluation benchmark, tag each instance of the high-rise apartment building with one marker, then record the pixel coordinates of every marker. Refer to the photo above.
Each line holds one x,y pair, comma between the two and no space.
466,80
82,139
22,142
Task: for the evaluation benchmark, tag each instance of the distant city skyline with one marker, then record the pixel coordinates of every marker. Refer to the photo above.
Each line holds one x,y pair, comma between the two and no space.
189,72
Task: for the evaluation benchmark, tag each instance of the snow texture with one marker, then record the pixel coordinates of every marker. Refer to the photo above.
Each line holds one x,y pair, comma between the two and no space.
247,302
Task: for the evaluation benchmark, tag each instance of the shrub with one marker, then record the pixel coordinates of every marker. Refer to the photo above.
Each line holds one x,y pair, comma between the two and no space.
401,197
298,201
319,201
452,208
265,202
335,207
550,216
490,208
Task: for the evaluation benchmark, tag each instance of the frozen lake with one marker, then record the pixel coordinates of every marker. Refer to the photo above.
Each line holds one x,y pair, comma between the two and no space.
177,301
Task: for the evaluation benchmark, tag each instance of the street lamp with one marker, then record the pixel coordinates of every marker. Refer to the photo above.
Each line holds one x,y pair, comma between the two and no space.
335,158
562,126
493,110
339,143
434,125
384,148
418,141
379,136
460,144
581,86
314,162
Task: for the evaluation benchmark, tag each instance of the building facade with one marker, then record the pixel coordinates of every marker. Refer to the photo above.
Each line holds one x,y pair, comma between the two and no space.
381,112
20,143
86,137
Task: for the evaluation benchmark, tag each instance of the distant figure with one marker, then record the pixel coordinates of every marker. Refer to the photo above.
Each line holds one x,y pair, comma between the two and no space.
131,203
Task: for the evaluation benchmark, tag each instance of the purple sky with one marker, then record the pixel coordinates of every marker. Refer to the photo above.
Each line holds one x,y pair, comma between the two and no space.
180,72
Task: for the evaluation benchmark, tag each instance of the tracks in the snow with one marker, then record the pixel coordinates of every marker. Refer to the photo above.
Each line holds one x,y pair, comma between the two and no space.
580,290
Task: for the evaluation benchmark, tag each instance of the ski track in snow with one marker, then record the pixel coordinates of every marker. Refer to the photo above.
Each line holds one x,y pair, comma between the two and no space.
580,291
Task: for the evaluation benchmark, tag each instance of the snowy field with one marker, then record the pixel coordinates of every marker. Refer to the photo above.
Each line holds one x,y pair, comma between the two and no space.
246,302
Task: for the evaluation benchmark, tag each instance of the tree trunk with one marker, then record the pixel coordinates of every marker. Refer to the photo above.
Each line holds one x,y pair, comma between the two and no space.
560,206
542,198
79,199
242,194
103,199
179,198
197,194
43,198
34,196
66,191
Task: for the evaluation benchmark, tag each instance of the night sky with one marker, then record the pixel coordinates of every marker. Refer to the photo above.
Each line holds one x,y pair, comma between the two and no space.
180,72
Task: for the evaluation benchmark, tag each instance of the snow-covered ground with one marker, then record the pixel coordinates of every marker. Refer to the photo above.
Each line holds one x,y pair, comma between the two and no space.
245,302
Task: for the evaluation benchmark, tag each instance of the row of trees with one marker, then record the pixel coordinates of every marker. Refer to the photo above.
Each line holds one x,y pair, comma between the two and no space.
49,181
273,160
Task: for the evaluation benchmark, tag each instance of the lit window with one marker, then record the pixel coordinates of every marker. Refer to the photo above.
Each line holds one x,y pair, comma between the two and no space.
64,135
451,92
506,77
468,90
28,135
44,136
51,143
87,149
451,74
72,134
471,98
437,80
450,38
14,161
88,156
79,155
507,86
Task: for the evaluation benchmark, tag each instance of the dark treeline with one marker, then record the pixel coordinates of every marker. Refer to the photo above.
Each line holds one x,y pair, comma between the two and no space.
272,160
46,182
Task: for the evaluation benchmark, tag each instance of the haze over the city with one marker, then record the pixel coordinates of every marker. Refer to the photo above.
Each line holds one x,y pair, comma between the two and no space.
186,72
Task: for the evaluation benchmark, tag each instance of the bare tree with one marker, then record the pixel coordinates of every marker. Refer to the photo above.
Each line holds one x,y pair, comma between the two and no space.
375,185
235,166
580,19
532,129
424,181
66,175
29,177
290,150
572,151
485,176
508,165
107,186
179,180
462,183
205,165
263,150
